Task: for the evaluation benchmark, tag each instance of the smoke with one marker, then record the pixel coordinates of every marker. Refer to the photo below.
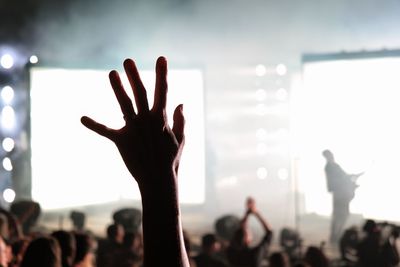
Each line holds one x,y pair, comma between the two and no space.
221,37
210,31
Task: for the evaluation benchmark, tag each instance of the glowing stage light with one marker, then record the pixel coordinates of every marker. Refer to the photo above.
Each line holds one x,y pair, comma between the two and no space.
7,61
281,94
261,70
61,89
7,165
283,174
262,173
8,144
8,117
261,94
351,107
281,69
33,59
7,94
9,195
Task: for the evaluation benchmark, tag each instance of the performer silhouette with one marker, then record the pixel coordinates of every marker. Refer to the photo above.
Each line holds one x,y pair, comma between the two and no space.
342,186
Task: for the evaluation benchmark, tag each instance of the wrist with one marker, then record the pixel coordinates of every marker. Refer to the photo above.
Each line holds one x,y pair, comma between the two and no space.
160,194
158,181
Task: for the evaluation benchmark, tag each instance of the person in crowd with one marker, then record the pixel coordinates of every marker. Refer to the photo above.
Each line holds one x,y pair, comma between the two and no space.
14,231
389,251
43,251
301,264
4,232
27,212
5,255
18,249
85,250
130,254
290,242
342,186
133,242
348,245
239,252
68,246
368,249
110,246
151,151
279,259
210,252
115,234
78,220
315,257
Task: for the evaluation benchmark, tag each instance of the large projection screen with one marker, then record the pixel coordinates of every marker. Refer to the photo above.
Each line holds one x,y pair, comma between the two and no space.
73,166
352,108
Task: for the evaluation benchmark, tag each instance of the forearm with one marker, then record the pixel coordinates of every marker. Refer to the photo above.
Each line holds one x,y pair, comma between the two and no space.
264,223
162,230
243,222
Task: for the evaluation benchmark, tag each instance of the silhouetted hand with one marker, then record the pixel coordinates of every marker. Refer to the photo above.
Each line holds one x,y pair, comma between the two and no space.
148,146
151,151
251,205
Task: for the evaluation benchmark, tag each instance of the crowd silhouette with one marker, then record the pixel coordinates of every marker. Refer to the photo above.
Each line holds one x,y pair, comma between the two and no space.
151,151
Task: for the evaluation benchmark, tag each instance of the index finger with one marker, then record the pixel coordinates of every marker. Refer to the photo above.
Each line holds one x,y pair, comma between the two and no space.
123,99
137,86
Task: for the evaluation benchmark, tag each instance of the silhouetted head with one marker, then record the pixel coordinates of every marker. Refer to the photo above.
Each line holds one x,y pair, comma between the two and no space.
349,239
328,155
68,246
115,233
43,252
315,257
27,212
370,226
132,241
78,219
301,264
278,259
226,226
210,243
85,249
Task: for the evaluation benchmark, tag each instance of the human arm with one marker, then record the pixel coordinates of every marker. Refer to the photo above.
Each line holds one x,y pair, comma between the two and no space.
253,210
243,221
257,253
151,151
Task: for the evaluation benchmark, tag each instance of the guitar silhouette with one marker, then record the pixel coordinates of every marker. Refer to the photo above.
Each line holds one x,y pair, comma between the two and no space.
350,188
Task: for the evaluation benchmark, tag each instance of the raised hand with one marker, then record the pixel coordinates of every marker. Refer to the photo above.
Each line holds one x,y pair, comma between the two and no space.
251,205
146,143
151,151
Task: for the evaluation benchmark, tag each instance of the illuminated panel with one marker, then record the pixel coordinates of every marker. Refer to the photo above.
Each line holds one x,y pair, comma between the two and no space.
352,108
73,166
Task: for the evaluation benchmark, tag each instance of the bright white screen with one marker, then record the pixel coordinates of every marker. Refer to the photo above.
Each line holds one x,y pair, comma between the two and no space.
352,108
73,166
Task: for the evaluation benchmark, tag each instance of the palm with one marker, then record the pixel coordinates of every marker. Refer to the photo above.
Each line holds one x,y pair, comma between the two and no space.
146,140
145,144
